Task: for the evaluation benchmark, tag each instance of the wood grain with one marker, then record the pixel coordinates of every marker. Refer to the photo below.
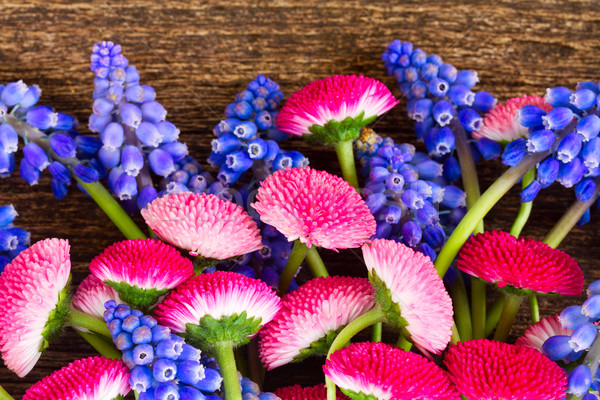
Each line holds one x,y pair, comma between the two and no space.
199,54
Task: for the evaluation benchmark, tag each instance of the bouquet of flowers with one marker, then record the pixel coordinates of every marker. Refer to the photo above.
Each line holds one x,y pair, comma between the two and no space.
208,300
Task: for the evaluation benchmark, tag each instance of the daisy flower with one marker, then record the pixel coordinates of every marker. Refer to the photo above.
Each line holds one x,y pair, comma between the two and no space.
314,207
411,293
501,124
91,295
141,270
538,333
93,378
385,372
311,316
297,392
486,369
34,302
204,225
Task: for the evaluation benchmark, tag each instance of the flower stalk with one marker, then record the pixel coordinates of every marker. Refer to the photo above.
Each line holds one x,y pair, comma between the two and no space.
512,303
345,155
296,257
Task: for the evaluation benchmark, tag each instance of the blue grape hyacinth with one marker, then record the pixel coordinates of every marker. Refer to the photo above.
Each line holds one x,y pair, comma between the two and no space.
13,240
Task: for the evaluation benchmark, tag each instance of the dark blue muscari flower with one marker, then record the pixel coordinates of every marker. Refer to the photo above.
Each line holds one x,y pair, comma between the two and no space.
13,240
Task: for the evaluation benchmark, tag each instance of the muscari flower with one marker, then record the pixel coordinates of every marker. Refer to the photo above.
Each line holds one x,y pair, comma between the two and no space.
297,392
203,224
322,105
315,207
538,333
33,303
93,378
381,371
141,270
311,316
411,292
501,123
91,295
527,264
485,369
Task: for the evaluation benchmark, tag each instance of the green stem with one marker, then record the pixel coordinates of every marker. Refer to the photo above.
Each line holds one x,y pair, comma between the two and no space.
478,307
315,263
291,266
364,321
535,308
569,219
403,343
376,331
101,344
493,315
345,155
226,361
525,209
82,320
509,312
455,335
4,395
462,314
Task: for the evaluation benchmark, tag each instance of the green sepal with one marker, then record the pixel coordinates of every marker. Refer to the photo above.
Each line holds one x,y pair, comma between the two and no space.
119,397
339,131
524,292
202,263
135,296
318,347
358,395
235,329
391,310
57,318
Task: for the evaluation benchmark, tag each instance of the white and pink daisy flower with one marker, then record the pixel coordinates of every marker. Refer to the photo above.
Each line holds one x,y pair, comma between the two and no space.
93,378
91,295
204,225
315,207
310,314
538,333
335,98
501,124
414,287
385,372
486,369
33,302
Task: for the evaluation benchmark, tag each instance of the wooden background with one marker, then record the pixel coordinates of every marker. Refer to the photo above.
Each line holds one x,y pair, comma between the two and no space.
198,54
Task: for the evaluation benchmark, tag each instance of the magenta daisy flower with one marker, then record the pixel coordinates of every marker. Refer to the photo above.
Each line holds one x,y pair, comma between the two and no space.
93,378
316,208
91,295
297,392
486,369
385,372
204,225
356,100
501,124
538,333
411,293
141,270
311,316
527,264
34,302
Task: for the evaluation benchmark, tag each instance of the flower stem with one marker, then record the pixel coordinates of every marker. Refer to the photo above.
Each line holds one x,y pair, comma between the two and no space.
535,308
291,266
345,155
509,312
403,343
525,209
101,344
570,218
493,315
364,321
82,320
462,314
226,361
315,263
455,335
4,395
376,331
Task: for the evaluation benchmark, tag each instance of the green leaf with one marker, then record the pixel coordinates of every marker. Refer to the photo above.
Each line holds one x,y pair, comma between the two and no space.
339,131
135,296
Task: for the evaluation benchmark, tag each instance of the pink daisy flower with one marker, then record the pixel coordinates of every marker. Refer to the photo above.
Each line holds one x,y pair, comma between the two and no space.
387,372
203,224
93,378
33,302
498,257
335,98
538,333
91,295
410,283
218,295
486,369
297,392
141,270
501,124
309,314
315,207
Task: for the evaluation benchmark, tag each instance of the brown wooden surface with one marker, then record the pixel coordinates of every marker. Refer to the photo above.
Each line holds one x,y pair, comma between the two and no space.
199,54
